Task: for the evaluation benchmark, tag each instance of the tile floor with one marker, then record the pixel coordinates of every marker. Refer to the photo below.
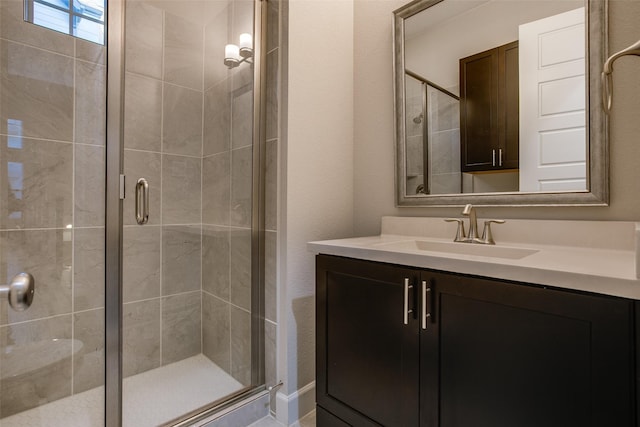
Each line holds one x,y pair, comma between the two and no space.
150,399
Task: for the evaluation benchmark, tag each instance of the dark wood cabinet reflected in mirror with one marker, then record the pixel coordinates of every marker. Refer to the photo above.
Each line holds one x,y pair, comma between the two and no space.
498,103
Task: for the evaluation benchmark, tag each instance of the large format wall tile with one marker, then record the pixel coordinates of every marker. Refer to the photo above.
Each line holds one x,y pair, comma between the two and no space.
144,39
241,268
46,254
241,345
141,337
181,183
215,261
181,253
139,164
241,184
273,25
415,157
242,16
181,327
446,146
217,113
37,92
271,186
88,363
216,332
88,268
13,27
39,174
34,368
242,118
216,35
183,59
182,123
272,95
91,105
91,52
142,113
216,189
242,80
270,276
90,184
141,263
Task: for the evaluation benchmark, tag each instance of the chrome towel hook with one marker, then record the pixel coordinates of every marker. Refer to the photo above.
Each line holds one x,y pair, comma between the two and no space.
607,79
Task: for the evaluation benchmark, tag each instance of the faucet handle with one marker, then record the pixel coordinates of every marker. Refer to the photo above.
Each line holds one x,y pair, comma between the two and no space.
460,234
487,237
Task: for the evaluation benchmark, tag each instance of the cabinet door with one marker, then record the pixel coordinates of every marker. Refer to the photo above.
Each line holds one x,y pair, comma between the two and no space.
498,354
509,106
478,111
489,109
367,355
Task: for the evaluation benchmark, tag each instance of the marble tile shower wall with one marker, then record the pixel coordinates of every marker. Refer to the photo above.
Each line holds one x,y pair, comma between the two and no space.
187,272
163,143
52,158
444,142
227,197
188,129
415,137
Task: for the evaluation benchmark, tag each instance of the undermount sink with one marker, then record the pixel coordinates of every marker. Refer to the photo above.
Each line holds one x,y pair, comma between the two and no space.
491,251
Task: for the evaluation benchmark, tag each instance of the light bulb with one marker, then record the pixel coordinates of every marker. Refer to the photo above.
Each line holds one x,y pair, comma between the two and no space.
246,41
231,51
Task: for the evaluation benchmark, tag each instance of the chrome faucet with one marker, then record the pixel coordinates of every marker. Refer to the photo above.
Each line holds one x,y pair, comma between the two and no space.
472,237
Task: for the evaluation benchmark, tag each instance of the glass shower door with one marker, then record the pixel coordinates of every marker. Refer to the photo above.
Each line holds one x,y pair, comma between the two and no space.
52,180
187,267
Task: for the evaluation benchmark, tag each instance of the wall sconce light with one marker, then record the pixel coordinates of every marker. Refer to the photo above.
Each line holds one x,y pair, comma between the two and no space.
235,55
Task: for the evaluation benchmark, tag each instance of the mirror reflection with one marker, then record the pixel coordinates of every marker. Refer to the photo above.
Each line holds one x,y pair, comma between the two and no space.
495,98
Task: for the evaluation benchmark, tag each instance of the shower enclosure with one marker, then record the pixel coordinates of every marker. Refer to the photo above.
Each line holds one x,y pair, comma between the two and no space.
132,190
433,137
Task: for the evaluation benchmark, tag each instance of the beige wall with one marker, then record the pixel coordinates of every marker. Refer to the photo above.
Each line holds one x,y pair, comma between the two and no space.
317,184
336,158
374,175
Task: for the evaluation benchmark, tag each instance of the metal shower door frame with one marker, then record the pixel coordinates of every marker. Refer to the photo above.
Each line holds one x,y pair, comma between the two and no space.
115,36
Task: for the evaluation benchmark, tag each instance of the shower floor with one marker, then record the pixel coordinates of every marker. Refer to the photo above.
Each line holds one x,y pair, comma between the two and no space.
150,398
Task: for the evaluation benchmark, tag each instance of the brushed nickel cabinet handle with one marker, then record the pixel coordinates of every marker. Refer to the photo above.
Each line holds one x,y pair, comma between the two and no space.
142,201
406,310
426,311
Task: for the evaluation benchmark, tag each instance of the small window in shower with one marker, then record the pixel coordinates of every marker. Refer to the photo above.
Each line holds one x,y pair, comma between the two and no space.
79,18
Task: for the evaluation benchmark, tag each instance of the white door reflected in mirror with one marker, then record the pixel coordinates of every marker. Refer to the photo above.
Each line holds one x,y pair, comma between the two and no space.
552,104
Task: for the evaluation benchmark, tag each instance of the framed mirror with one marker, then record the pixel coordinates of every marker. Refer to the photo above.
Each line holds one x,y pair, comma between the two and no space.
498,102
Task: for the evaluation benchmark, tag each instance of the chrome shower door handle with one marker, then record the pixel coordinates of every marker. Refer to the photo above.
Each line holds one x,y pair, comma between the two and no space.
142,201
20,291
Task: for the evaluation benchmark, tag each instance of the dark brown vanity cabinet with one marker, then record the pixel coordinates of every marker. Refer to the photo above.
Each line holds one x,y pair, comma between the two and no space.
399,346
489,109
367,360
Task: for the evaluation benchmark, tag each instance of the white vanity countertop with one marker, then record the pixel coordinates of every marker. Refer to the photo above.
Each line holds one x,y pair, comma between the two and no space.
592,256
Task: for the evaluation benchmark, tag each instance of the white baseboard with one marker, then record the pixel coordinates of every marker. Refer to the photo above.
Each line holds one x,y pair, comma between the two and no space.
290,408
